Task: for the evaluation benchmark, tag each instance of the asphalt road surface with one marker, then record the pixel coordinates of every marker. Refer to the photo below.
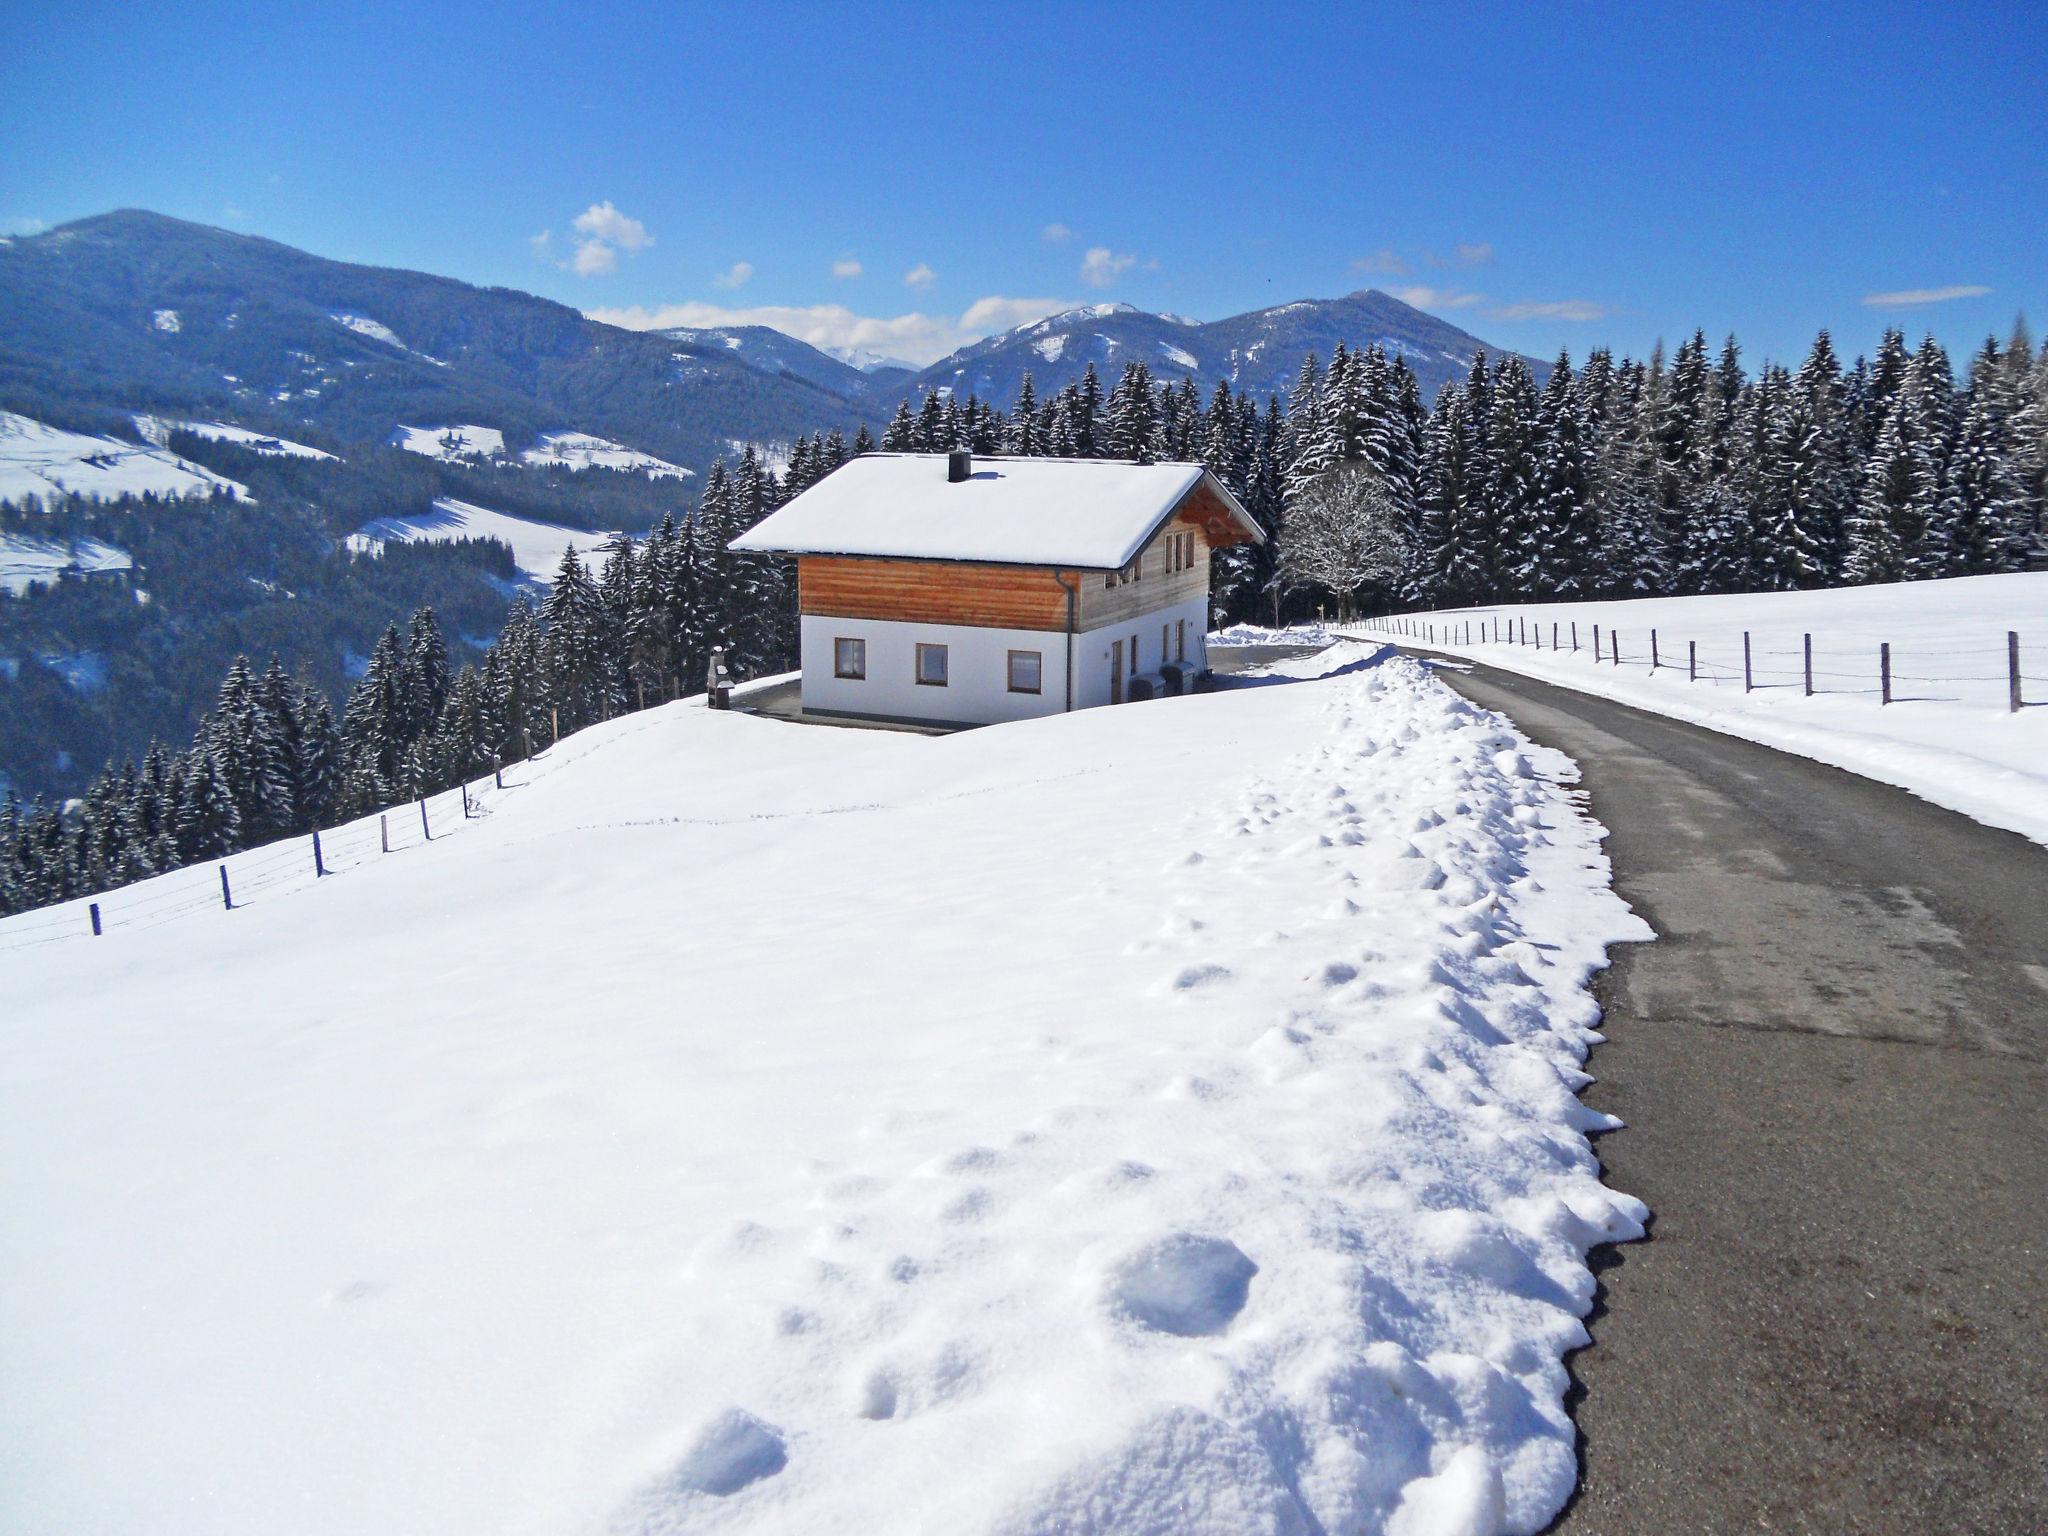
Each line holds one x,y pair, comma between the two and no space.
1831,1062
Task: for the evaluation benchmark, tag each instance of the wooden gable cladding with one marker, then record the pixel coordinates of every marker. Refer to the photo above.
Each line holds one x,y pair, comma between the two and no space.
934,592
1203,509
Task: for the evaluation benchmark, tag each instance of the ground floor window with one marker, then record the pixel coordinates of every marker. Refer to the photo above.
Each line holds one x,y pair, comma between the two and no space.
931,665
850,659
1027,672
1180,640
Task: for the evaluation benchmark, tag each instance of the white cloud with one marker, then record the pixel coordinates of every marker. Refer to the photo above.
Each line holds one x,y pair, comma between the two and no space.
592,258
601,221
916,337
1551,309
1055,234
1906,297
920,276
1436,298
22,226
1475,255
734,276
605,232
1385,261
846,266
1101,266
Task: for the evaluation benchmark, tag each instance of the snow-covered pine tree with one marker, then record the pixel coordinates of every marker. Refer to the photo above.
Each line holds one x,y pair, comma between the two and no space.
1023,436
1131,428
900,436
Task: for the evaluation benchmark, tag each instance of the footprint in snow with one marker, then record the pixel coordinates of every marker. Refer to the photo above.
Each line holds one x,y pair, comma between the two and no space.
1184,1284
731,1451
1195,977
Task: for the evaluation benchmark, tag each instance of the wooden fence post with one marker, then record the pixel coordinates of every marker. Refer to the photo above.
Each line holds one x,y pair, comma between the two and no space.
1553,634
1807,646
465,800
94,908
227,898
425,830
1748,682
2012,670
1614,644
498,769
1596,643
319,864
1884,672
1575,637
1653,650
384,831
1692,661
554,724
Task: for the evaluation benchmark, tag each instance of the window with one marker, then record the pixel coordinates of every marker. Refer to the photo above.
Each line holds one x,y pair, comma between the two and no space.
1109,581
1027,671
1163,652
850,659
1180,640
931,666
1134,655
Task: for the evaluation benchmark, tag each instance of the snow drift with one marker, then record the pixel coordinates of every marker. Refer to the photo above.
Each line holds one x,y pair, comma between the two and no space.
1153,1120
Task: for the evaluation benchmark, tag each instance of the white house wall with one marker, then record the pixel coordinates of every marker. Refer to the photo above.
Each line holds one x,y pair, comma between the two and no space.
977,688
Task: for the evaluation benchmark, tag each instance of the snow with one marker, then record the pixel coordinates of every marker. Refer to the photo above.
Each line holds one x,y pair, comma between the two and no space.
536,546
157,430
167,320
1179,356
1259,634
376,330
40,460
27,560
469,442
1051,348
579,450
1147,1120
1948,735
1083,512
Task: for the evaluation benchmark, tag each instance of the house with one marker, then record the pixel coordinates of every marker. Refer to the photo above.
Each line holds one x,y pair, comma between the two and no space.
949,589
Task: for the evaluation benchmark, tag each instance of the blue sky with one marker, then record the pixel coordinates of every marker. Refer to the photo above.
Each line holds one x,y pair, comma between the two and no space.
904,177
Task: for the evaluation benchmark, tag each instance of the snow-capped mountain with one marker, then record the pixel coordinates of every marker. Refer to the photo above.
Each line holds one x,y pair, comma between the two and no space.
778,355
1259,351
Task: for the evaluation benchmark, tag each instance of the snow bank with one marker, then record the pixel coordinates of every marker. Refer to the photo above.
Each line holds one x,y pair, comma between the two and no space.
464,442
536,546
579,450
1150,1120
1948,735
1259,634
41,460
27,561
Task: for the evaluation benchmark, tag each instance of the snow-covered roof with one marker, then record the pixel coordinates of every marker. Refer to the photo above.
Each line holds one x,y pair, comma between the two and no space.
1093,513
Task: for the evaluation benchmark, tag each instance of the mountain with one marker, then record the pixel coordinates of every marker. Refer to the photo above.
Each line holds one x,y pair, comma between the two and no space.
847,372
1260,351
134,311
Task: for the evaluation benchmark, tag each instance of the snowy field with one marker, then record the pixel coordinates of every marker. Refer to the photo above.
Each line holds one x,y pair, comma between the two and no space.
465,442
579,450
536,546
27,561
1151,1120
157,430
37,459
1948,734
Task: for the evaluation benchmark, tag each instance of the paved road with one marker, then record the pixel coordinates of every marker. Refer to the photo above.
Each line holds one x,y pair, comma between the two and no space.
1831,1064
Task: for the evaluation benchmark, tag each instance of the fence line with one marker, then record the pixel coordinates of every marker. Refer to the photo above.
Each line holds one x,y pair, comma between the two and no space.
258,873
1757,668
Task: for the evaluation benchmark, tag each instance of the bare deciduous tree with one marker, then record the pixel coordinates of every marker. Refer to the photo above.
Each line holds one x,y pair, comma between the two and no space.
1344,534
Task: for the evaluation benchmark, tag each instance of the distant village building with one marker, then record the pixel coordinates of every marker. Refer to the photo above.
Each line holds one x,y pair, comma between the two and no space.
946,589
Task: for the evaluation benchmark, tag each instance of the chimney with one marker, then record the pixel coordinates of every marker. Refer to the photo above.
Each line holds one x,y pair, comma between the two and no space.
959,466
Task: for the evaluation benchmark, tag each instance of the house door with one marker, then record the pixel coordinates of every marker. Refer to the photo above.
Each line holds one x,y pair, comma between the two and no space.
1116,671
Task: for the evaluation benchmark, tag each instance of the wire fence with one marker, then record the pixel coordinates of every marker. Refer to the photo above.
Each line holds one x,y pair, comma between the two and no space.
1952,668
260,875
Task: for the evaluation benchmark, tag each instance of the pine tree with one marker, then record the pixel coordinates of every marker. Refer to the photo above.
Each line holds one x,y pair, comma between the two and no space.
1132,426
901,433
1024,434
576,648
